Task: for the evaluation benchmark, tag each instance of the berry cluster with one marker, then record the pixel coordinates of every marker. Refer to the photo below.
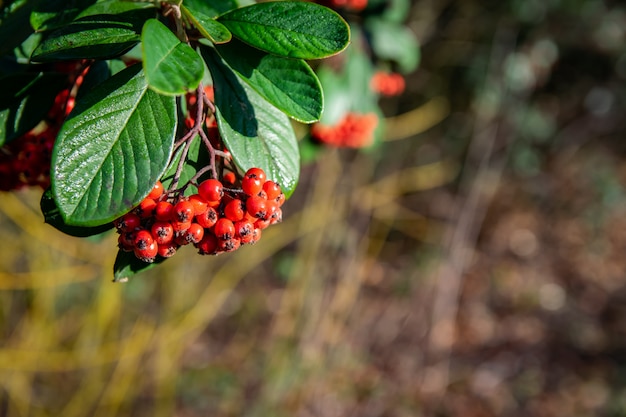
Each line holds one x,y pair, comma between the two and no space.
216,219
354,130
387,83
26,160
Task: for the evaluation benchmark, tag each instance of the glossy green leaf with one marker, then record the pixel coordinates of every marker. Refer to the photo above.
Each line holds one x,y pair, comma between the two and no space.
99,36
256,133
290,29
52,216
114,7
171,66
211,8
14,24
25,101
114,146
208,27
289,84
51,14
127,265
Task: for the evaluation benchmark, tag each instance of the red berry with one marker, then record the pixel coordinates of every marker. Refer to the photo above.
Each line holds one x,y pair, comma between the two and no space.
180,227
157,191
251,184
211,190
184,211
224,229
243,229
128,222
280,199
262,224
208,245
235,210
164,211
229,178
126,241
148,253
256,235
146,208
208,218
200,205
256,173
195,233
276,217
162,232
143,239
229,245
256,207
272,189
167,250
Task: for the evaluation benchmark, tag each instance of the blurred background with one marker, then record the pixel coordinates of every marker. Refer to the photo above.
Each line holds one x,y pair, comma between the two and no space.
470,265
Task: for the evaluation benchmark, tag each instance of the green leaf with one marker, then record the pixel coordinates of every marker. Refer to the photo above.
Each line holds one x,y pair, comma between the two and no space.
208,27
127,265
99,36
290,29
26,99
395,42
52,216
114,146
211,8
289,84
51,14
171,66
256,133
14,24
114,7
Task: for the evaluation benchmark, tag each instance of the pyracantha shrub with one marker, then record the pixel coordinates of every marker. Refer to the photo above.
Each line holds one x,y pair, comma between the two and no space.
170,120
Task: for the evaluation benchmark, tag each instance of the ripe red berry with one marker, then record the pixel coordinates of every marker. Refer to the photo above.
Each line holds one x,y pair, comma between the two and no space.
128,222
143,239
243,229
164,211
126,241
200,205
162,232
229,245
211,190
276,217
184,211
235,210
256,235
256,173
256,206
157,191
208,245
229,178
262,224
167,250
180,227
208,218
272,189
148,253
195,233
224,229
280,199
146,208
